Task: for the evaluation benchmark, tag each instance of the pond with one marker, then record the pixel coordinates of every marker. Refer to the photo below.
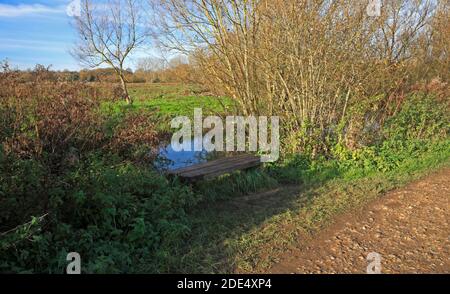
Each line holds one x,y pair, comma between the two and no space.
169,159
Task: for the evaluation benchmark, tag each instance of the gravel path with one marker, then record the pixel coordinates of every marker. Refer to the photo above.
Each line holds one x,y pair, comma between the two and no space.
408,227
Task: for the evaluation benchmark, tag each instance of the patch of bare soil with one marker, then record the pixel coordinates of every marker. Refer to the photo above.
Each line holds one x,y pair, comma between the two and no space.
408,227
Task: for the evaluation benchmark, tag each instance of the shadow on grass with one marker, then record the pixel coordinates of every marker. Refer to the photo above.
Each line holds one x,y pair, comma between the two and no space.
247,233
234,206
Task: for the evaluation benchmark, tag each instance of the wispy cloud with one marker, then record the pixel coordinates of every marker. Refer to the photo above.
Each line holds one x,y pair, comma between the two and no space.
7,10
33,45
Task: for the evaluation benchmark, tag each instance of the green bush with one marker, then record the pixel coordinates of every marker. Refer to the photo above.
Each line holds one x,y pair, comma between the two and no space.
70,180
422,117
421,126
119,217
21,190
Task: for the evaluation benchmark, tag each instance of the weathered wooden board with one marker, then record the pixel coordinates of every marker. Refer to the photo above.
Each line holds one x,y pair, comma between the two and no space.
216,167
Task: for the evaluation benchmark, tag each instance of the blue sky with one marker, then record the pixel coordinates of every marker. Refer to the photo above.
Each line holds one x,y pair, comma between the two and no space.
37,32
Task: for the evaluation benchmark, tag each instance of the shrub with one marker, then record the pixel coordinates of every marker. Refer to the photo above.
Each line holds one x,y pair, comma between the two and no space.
119,217
47,118
422,121
69,182
422,117
135,136
21,190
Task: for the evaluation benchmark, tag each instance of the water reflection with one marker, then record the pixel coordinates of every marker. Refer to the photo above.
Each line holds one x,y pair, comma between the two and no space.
168,159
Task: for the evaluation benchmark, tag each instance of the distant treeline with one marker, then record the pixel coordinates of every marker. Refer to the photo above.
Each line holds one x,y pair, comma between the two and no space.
170,72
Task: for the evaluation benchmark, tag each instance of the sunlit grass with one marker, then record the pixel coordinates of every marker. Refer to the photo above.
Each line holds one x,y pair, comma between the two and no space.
247,235
169,100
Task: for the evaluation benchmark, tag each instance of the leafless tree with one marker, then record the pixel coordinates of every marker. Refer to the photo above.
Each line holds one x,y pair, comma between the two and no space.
322,65
108,32
149,64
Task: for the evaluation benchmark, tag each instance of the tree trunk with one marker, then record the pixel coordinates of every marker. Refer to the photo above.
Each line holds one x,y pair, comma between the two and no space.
125,90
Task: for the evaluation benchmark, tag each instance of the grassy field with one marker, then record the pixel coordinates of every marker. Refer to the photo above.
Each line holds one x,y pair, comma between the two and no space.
172,100
162,102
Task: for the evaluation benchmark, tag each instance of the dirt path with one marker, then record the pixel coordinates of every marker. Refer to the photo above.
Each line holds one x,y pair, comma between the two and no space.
408,227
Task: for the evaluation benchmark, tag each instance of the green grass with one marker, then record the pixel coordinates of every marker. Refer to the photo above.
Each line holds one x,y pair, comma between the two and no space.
162,102
236,184
127,218
247,234
170,100
231,232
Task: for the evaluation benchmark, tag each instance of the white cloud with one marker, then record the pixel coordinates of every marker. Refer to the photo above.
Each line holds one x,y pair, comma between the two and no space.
7,10
33,45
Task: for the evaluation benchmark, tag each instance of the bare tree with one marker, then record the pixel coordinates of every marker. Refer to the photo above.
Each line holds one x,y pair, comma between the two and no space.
401,23
108,33
149,64
325,66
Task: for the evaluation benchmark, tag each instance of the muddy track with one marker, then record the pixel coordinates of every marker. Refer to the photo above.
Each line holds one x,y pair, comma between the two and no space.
408,227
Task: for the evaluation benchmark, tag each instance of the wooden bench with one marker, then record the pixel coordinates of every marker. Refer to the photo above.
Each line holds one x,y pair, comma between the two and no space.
216,168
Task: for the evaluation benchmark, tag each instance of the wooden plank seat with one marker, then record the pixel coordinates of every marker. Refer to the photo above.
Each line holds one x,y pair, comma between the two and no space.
216,167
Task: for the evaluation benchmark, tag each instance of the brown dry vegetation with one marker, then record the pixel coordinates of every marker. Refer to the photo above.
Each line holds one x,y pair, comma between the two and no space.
47,117
326,67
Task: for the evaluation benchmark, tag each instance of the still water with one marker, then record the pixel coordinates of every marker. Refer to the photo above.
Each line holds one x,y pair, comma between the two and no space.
169,159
